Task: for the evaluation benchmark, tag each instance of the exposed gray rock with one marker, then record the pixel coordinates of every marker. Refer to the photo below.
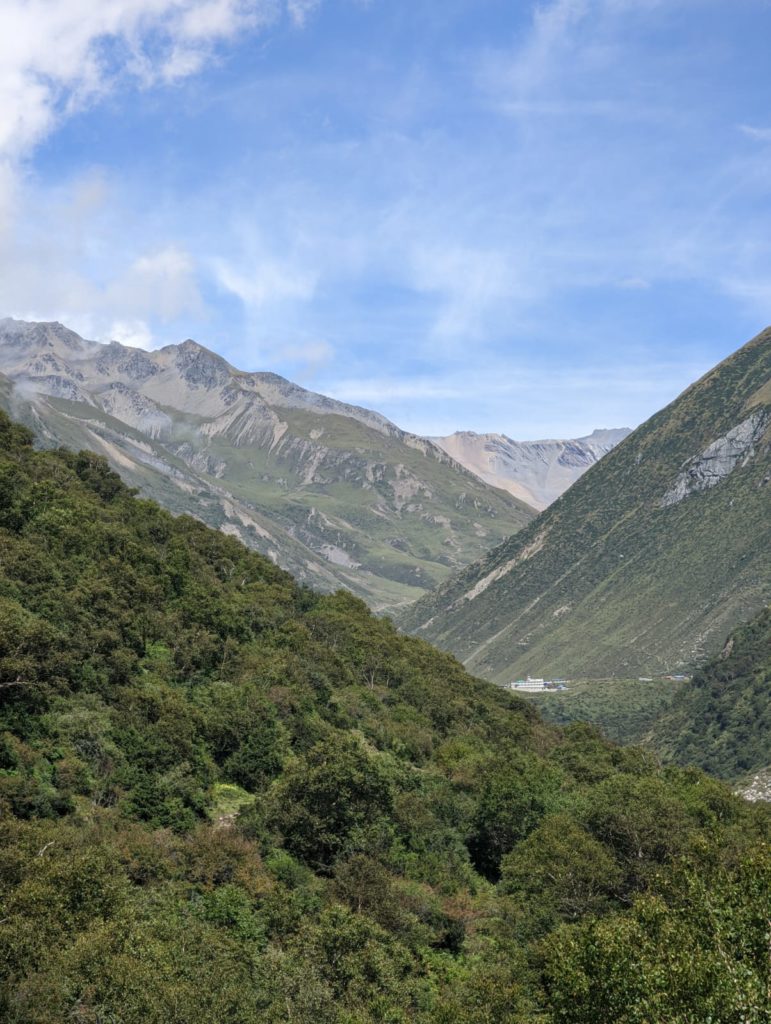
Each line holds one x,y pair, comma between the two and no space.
130,407
757,789
718,459
537,472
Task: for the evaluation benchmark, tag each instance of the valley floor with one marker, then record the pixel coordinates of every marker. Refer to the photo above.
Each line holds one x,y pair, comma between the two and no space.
624,709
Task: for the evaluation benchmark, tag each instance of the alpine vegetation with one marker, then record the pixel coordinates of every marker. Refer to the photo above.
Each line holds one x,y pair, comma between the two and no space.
227,797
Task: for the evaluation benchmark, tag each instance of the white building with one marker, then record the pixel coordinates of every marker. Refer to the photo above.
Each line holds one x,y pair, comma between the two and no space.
529,685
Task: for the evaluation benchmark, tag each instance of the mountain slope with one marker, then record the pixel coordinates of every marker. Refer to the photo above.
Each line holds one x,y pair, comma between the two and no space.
334,493
720,720
646,563
537,472
224,797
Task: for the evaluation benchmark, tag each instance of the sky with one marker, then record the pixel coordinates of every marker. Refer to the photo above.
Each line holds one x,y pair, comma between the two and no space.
493,215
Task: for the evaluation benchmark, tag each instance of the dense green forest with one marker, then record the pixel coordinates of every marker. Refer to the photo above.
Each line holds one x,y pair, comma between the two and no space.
721,720
226,798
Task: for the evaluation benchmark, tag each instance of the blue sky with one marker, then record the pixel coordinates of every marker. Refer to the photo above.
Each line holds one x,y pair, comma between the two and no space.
468,214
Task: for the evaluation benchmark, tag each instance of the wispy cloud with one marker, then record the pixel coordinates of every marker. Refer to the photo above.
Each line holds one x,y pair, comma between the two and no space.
753,132
446,211
264,282
569,401
300,10
59,260
564,66
58,57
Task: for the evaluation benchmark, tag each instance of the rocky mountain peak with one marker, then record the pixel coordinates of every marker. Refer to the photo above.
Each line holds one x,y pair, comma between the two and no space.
252,452
537,472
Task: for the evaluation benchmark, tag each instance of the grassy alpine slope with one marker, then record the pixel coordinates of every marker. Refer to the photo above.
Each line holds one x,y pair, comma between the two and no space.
224,797
641,567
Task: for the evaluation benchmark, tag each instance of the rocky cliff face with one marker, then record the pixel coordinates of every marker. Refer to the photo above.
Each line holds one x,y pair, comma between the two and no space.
335,493
537,472
719,459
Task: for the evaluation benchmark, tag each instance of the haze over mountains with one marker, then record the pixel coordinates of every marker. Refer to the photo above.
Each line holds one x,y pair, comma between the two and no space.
336,494
646,563
537,472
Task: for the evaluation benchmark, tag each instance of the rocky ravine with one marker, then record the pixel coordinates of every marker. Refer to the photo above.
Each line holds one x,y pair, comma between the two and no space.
335,493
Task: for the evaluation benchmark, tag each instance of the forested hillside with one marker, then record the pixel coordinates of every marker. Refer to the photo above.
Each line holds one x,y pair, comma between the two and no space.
721,719
227,798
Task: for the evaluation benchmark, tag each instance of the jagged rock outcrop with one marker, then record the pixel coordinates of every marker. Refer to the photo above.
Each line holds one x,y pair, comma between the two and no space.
718,459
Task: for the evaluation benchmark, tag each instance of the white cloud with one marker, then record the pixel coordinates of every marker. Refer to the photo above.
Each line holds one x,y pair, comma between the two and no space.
634,284
264,282
753,132
160,283
56,55
571,402
754,291
568,42
57,258
310,356
135,333
469,282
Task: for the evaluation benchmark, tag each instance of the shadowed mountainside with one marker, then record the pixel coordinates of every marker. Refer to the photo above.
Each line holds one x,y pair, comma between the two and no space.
720,720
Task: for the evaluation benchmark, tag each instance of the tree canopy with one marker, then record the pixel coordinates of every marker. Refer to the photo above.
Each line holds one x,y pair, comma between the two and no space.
224,797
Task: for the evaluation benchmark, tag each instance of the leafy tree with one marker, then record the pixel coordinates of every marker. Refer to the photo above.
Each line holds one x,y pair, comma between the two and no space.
517,792
327,801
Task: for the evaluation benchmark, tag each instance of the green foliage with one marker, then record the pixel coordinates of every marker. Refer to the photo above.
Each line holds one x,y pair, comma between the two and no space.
224,797
561,872
721,719
698,951
624,709
517,791
329,803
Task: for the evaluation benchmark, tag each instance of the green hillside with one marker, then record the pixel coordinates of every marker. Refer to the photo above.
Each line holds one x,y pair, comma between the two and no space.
646,563
224,797
721,720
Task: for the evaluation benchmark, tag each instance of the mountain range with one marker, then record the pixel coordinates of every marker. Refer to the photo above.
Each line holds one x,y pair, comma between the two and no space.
646,563
537,472
336,494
